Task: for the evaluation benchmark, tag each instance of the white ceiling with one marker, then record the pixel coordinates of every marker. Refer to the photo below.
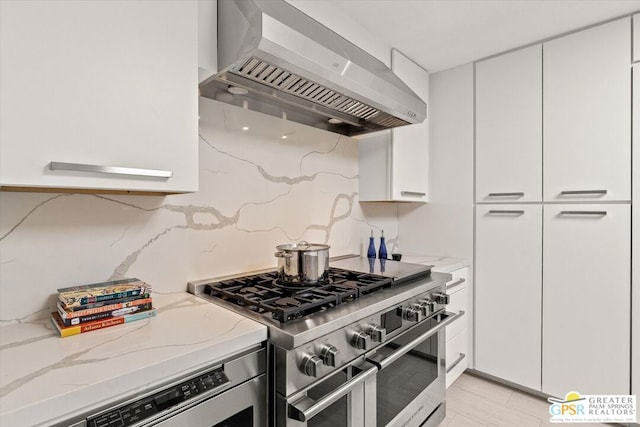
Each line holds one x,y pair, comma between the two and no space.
440,34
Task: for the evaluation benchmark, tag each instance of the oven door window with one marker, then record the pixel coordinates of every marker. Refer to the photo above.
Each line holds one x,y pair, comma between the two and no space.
402,384
241,419
336,414
336,401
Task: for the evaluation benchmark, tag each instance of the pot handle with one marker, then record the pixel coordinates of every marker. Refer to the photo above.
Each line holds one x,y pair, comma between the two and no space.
283,254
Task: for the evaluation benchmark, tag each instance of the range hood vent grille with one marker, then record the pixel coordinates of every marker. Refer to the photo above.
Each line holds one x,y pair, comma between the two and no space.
278,78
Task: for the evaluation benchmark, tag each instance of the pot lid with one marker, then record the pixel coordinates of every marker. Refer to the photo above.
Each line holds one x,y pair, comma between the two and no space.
303,246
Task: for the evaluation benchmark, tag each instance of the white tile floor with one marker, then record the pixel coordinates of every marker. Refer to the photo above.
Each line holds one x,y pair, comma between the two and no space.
474,402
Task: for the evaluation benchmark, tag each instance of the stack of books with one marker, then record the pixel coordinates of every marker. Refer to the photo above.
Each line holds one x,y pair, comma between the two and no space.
87,308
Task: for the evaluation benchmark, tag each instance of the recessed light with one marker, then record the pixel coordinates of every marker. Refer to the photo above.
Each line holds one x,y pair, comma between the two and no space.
245,127
284,137
335,121
237,90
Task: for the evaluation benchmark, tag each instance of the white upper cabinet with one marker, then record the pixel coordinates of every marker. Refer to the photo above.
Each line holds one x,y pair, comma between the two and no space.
103,85
508,292
586,288
410,144
394,165
587,115
636,37
509,127
207,39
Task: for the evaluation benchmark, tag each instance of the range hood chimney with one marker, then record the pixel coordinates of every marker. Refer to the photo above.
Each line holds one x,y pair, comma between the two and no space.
274,59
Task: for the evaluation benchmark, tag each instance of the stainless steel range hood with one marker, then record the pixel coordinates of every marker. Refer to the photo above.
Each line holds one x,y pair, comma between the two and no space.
274,59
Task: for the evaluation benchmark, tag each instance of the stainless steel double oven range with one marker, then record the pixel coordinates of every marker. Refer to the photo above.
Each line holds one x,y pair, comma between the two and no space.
364,349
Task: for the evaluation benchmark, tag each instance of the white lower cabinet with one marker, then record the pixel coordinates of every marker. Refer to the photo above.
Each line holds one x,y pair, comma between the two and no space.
456,354
586,304
456,333
508,292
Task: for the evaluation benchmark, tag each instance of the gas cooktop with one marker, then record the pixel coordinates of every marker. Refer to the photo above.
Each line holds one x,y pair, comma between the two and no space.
358,287
263,293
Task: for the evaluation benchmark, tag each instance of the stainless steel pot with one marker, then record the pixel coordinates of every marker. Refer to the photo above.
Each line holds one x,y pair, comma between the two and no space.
303,263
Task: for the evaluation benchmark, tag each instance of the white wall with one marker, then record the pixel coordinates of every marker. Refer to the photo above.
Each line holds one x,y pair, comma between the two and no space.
635,220
445,225
257,190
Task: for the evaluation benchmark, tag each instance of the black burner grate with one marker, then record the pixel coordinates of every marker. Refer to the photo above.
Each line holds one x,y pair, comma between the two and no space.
263,294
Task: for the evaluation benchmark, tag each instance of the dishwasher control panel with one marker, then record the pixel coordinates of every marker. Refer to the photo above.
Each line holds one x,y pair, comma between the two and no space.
135,412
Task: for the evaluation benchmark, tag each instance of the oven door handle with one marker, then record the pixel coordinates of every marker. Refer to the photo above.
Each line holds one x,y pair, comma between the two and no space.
393,357
305,408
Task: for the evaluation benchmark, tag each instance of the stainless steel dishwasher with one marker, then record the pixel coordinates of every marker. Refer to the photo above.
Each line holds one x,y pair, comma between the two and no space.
229,393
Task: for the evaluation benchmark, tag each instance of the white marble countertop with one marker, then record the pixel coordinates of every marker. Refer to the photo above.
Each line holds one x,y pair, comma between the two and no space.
441,264
45,379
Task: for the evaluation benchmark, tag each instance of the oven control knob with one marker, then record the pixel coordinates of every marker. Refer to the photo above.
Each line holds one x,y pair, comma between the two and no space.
328,355
360,340
427,306
377,333
442,298
310,365
412,313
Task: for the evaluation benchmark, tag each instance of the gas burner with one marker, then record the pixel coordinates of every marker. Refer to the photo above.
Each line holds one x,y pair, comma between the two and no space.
249,289
288,302
350,284
264,294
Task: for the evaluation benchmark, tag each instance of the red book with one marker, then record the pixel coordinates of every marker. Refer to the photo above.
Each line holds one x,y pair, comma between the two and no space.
67,314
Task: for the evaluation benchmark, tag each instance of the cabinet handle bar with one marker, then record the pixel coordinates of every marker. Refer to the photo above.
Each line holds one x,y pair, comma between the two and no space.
458,360
599,213
456,283
520,194
503,211
412,193
116,170
577,192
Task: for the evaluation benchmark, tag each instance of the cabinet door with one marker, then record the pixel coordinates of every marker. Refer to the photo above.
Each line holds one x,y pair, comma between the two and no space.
636,37
586,290
587,113
457,349
100,83
508,292
410,144
459,300
509,127
374,163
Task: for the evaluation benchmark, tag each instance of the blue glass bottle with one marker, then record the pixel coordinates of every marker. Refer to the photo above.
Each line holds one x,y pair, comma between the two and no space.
371,252
382,252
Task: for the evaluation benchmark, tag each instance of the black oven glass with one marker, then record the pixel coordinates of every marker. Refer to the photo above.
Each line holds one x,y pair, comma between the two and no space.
241,419
336,414
402,381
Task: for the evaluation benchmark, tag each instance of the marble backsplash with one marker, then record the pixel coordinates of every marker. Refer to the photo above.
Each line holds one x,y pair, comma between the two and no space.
257,190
